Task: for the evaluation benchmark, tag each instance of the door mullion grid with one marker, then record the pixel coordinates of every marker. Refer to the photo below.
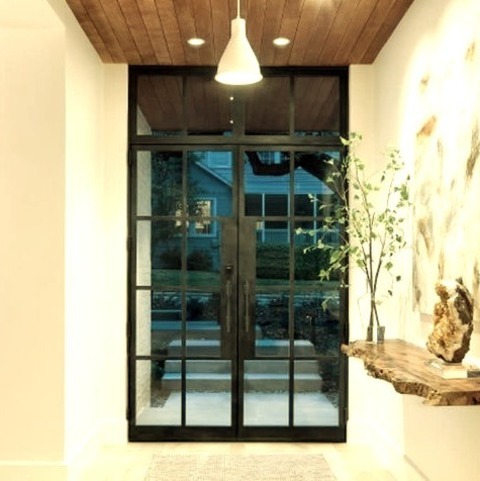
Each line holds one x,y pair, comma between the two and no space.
291,288
184,214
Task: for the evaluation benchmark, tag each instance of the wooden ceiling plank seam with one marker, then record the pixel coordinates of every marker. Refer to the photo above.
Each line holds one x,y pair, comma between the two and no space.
171,27
255,20
386,29
155,31
202,13
321,30
330,32
122,31
288,29
91,30
105,28
303,38
339,26
184,14
221,22
135,21
353,33
274,14
367,36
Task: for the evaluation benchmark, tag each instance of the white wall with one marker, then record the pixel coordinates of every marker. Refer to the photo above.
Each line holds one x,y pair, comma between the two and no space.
63,252
439,441
32,247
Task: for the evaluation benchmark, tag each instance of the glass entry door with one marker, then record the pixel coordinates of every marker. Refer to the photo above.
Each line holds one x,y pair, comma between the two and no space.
231,334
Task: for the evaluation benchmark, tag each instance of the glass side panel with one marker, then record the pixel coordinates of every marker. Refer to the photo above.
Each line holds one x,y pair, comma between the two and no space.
159,105
143,318
144,253
317,105
158,394
208,106
209,393
315,398
159,183
266,385
268,107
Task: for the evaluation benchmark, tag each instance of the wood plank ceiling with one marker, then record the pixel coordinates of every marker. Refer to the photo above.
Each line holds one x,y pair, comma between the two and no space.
322,32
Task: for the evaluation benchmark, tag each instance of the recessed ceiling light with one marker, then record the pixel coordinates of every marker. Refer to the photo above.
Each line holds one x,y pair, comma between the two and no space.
195,41
281,41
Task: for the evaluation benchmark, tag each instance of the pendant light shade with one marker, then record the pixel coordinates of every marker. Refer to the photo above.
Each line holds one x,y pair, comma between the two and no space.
238,64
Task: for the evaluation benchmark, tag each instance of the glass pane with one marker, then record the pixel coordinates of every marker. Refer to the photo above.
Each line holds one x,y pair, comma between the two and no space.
267,183
276,204
158,396
316,322
159,108
254,204
209,191
166,323
203,257
317,105
166,253
203,326
273,261
144,253
209,393
316,393
143,321
159,183
266,393
268,107
309,180
208,106
271,325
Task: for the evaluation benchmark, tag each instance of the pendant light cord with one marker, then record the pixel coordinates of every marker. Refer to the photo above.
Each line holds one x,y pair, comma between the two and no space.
238,8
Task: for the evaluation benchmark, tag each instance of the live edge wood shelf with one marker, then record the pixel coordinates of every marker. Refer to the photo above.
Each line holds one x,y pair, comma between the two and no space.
404,366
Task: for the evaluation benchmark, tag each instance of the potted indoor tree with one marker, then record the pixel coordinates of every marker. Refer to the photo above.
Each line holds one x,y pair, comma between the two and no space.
369,213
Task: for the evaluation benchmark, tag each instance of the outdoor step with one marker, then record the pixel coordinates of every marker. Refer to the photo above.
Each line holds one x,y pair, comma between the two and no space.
215,382
280,348
166,314
263,347
194,329
263,367
280,382
199,366
195,348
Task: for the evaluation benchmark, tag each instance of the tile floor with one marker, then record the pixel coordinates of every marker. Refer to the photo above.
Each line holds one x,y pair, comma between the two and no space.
348,463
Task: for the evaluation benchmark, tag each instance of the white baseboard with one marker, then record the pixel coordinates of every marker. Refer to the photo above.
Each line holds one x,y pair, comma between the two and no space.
384,450
110,432
33,471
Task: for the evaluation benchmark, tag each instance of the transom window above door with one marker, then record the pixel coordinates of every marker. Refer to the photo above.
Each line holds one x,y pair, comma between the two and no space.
301,104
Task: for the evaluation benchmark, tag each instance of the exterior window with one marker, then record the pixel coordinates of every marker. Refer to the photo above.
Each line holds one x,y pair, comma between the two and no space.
204,225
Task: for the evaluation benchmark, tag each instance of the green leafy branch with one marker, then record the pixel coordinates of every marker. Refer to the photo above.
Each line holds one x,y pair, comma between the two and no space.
369,215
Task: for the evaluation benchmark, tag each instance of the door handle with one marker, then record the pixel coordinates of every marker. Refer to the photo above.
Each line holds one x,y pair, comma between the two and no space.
228,314
246,293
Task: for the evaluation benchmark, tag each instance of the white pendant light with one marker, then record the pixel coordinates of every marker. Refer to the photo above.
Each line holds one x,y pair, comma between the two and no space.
238,64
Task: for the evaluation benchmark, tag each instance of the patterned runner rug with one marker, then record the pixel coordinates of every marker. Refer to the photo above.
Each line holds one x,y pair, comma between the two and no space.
244,467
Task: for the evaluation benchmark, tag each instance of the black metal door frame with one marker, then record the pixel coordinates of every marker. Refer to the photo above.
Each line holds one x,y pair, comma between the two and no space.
237,143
